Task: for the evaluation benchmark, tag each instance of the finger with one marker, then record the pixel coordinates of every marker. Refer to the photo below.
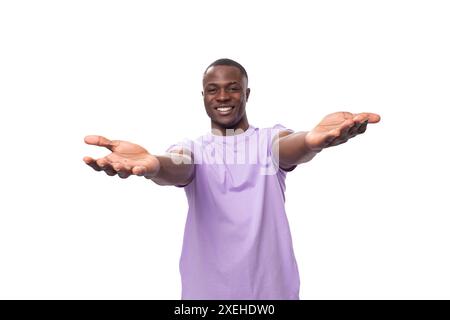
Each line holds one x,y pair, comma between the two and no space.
122,170
106,166
118,166
103,162
345,129
100,141
340,135
91,162
123,174
355,129
340,132
362,128
367,116
109,170
139,170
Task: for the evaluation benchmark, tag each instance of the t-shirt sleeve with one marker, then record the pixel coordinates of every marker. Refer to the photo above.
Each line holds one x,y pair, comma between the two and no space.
275,130
178,146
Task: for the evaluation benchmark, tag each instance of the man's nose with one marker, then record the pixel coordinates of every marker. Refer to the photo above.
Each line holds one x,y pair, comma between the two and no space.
223,96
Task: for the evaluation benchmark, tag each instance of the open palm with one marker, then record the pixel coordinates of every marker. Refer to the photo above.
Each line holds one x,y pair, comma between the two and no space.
337,128
125,159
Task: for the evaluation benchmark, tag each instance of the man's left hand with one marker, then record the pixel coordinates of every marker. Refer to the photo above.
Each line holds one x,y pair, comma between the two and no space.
337,128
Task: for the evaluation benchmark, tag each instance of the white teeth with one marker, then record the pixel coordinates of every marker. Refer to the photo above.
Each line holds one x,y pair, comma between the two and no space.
224,109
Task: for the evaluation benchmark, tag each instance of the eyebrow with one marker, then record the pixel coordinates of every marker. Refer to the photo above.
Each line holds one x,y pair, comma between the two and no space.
227,84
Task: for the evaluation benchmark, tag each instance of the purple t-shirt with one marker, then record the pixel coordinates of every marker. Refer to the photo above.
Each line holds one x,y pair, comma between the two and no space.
237,243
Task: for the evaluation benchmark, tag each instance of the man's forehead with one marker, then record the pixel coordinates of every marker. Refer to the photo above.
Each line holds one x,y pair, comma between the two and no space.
223,74
223,68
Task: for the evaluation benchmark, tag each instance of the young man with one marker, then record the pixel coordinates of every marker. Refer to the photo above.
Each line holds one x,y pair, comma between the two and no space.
237,242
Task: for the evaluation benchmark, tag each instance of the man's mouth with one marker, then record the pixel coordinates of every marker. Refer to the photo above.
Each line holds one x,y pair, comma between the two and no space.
225,110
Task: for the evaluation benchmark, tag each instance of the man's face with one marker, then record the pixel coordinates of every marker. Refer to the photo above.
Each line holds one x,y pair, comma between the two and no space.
225,94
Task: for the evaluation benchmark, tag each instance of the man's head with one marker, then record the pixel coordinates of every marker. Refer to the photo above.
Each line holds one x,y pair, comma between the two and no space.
225,93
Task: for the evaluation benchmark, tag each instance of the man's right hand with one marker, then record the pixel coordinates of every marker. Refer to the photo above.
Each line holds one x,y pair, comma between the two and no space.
125,159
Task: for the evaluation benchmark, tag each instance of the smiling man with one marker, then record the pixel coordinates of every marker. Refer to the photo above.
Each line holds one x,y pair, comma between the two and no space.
237,243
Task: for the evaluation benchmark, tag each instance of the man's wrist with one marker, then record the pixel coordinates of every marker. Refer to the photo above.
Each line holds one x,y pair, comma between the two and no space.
307,147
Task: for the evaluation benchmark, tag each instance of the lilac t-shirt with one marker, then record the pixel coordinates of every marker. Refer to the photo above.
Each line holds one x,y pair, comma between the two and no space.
237,243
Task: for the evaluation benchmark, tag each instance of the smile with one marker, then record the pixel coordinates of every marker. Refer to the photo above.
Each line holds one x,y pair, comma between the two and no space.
224,110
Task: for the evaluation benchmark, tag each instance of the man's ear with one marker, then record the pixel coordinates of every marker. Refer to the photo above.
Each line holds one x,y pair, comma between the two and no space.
247,92
202,94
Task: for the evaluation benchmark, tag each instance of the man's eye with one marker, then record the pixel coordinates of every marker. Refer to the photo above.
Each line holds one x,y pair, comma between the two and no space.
234,88
212,90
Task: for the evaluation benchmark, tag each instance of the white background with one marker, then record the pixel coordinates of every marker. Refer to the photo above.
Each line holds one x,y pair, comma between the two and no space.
369,219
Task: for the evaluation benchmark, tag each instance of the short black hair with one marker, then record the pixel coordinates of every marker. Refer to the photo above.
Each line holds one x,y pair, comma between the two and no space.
228,62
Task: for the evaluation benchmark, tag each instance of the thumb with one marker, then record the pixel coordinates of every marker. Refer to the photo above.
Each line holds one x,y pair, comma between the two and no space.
99,141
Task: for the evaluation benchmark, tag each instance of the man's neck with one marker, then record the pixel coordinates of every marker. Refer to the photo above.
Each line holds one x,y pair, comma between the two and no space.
239,128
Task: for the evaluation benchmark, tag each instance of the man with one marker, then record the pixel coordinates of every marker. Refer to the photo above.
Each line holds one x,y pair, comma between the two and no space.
237,242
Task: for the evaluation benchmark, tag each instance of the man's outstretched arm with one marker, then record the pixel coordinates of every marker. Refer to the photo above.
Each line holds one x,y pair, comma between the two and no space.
336,128
176,168
126,158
